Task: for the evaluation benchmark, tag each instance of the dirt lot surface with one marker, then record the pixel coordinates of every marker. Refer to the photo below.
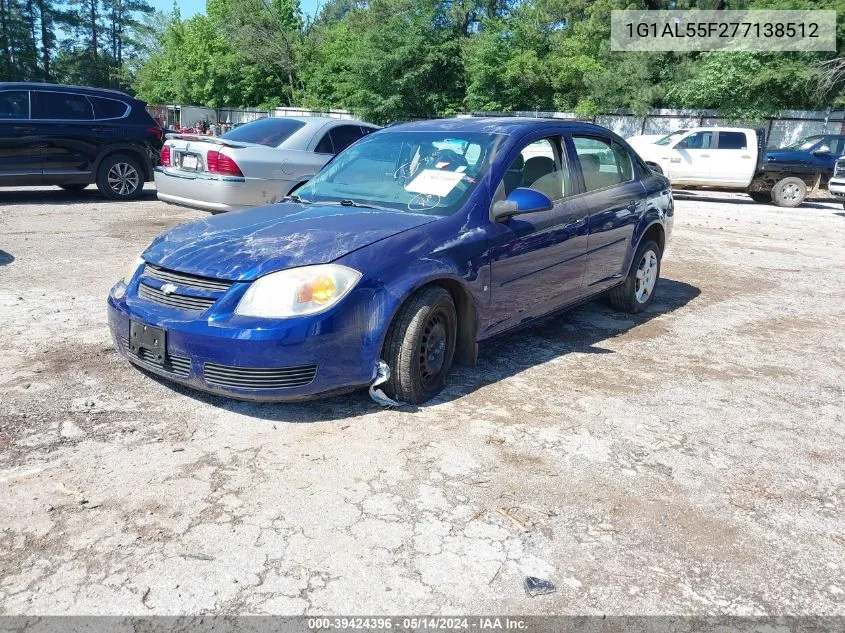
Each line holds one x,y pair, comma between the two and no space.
688,460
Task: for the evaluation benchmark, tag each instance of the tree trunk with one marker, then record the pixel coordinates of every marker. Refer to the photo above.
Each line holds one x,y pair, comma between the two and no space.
4,36
93,16
46,39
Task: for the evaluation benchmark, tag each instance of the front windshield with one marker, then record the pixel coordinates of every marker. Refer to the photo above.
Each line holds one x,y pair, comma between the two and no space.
805,143
671,137
418,172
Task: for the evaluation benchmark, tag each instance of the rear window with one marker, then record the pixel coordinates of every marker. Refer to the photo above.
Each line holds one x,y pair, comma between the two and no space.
61,106
268,132
732,140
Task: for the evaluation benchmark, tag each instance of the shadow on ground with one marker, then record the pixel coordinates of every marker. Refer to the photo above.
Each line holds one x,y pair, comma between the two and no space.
580,330
683,194
60,196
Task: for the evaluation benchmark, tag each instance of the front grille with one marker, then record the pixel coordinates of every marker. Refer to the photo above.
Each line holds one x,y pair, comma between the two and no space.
185,279
259,378
183,302
176,365
839,170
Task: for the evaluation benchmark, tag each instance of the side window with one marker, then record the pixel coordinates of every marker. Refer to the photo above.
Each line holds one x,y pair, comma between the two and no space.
325,145
537,167
14,104
343,136
604,163
835,144
732,140
699,140
366,130
108,108
61,105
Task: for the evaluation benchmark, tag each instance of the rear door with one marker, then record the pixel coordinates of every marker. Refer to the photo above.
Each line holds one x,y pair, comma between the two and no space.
734,159
72,141
613,199
690,160
20,142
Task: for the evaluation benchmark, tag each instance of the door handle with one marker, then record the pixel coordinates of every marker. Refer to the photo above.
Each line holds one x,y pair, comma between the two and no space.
746,156
705,155
24,128
674,160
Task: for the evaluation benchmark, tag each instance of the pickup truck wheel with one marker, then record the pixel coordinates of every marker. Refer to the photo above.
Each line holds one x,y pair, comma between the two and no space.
120,177
789,192
761,197
420,345
636,292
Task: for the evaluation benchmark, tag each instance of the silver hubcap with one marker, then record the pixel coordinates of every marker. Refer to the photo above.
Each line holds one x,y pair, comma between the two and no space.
646,276
123,178
791,192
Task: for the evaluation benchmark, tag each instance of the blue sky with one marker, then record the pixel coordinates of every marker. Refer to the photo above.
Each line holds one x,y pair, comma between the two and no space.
191,7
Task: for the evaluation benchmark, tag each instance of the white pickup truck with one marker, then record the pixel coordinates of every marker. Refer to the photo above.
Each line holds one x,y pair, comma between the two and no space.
727,158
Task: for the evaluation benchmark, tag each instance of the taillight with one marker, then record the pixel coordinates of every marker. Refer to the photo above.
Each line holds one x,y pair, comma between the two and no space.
165,155
156,131
217,163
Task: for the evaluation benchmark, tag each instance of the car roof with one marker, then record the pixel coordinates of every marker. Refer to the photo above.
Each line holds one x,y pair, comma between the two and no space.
495,125
32,85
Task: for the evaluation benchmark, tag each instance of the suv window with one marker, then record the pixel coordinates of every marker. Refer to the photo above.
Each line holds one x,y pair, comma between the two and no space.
108,108
14,104
604,163
537,167
732,140
343,136
61,105
699,140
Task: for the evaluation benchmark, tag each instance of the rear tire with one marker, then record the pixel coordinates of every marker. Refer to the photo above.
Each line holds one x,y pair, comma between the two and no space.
636,292
761,197
789,192
74,187
120,177
420,345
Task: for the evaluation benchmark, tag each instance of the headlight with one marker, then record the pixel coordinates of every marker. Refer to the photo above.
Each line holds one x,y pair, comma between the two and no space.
130,272
297,291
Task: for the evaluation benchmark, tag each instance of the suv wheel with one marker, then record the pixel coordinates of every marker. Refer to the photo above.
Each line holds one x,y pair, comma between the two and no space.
120,177
420,345
636,292
789,192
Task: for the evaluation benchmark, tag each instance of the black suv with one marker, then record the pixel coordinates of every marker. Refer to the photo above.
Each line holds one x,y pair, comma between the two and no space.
71,137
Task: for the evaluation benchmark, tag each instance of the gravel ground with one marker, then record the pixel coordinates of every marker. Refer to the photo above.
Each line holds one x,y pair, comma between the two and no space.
684,461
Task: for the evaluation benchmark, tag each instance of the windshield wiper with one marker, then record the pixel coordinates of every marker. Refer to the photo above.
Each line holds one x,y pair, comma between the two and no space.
295,198
352,203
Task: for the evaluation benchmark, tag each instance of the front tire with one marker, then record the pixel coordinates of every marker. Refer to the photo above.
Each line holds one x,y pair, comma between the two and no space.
120,177
637,291
789,192
420,346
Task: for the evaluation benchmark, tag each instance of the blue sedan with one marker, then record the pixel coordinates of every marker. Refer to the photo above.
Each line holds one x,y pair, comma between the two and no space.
405,252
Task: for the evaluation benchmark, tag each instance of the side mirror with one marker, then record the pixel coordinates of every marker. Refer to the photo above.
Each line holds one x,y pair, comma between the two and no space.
521,200
821,151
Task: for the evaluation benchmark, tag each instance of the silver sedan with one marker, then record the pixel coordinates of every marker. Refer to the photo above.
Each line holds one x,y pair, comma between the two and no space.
254,164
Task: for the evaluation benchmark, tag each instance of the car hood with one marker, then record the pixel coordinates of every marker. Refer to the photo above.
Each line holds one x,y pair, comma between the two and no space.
244,245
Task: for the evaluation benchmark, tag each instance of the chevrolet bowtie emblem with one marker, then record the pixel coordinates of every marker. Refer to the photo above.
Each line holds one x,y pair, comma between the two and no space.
168,289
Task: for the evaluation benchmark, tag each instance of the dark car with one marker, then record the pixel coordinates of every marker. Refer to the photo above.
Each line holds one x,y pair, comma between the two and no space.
813,155
408,249
73,136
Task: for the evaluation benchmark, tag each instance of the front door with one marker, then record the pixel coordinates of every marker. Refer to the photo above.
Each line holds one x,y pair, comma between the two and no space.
689,161
537,259
71,139
20,143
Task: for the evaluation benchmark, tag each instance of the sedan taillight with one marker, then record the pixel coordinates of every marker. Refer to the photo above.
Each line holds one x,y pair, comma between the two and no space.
218,163
165,155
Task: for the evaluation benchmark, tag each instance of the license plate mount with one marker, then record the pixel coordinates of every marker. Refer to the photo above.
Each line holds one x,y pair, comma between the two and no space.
148,342
190,161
